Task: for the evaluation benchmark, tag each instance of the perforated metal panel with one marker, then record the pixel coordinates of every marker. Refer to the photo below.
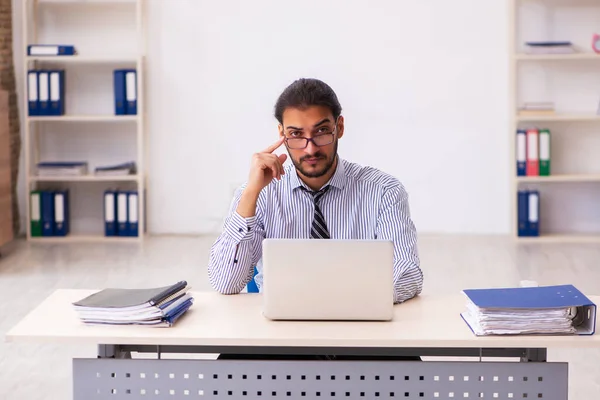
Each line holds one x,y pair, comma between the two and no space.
230,379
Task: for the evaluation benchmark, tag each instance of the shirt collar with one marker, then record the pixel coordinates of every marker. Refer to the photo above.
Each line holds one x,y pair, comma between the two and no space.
338,180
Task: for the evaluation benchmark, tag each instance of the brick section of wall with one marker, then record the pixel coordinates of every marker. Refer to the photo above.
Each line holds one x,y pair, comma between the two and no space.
7,82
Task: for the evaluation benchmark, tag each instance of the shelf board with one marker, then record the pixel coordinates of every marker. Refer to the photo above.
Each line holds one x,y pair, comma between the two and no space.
557,57
83,118
559,117
77,59
78,238
561,178
84,178
561,238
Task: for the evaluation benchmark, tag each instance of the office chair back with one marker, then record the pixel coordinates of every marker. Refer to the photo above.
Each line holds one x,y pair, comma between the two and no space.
252,287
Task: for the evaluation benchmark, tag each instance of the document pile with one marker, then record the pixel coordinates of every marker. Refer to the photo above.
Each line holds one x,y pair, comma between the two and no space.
559,310
554,47
62,168
160,306
537,108
127,168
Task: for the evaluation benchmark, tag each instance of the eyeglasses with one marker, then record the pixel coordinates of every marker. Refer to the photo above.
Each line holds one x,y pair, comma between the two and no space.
301,142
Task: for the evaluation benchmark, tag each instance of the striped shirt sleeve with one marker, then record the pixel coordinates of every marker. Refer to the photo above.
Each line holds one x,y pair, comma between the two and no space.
236,251
394,223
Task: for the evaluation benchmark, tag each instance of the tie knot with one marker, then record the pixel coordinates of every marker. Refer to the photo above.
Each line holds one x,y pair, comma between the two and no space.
317,195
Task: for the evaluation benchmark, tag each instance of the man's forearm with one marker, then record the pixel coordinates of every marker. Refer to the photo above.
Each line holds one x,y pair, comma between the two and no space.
408,282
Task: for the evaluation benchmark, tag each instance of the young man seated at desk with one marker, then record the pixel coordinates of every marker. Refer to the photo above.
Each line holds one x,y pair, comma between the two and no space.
320,196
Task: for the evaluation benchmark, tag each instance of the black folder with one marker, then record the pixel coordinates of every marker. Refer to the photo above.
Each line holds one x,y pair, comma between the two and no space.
122,298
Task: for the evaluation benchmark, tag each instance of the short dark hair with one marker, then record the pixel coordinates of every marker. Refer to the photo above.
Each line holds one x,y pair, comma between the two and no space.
306,92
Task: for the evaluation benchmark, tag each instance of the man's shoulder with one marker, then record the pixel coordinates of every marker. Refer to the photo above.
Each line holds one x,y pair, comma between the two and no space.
366,174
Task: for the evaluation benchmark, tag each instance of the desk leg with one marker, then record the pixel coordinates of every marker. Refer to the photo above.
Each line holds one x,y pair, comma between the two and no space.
113,351
535,355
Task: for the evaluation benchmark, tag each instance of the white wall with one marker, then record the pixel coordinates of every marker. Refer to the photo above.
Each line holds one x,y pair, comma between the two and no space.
423,85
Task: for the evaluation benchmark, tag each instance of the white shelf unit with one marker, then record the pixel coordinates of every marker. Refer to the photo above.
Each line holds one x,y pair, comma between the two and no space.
569,211
107,34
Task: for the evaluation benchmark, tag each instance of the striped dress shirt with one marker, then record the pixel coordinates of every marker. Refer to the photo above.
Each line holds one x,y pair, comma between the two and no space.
362,203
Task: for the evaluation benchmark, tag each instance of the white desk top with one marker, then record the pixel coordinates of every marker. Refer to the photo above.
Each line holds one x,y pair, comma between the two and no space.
218,320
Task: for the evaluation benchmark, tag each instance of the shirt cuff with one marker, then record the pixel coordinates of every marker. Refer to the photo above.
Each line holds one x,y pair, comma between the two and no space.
240,228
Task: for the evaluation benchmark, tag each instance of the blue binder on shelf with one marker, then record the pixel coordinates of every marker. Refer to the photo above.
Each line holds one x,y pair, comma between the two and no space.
119,89
33,93
61,213
51,50
57,92
522,213
528,213
132,214
521,152
131,91
47,217
110,213
122,214
582,310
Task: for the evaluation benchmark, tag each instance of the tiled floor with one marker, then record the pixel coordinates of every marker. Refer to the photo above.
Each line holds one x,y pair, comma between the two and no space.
30,272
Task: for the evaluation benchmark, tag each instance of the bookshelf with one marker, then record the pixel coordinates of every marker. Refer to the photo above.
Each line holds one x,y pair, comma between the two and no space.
568,195
107,35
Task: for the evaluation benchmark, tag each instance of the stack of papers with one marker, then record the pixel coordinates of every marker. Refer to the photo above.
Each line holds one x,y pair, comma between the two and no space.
537,108
549,310
159,307
552,47
62,168
117,170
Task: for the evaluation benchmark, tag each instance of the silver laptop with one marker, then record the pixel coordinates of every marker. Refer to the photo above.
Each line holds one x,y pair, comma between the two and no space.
328,279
